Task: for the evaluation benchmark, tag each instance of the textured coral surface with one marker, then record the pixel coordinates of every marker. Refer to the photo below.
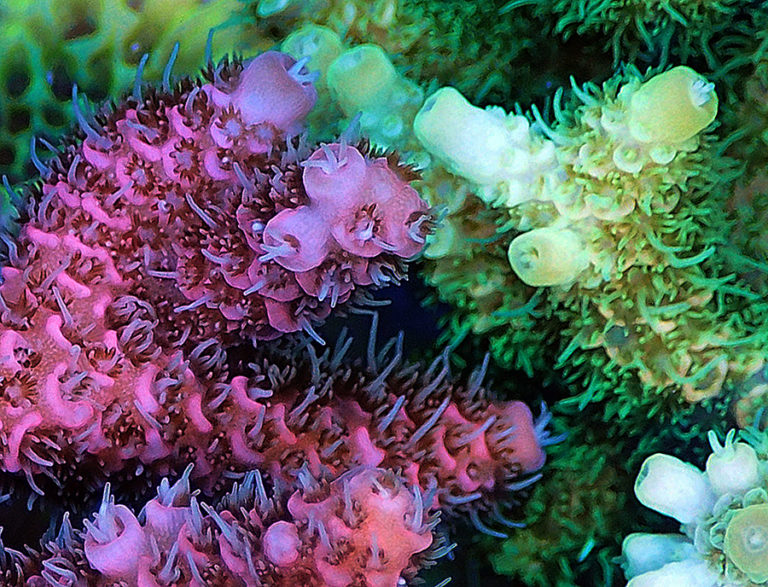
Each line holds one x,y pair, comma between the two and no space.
365,529
184,223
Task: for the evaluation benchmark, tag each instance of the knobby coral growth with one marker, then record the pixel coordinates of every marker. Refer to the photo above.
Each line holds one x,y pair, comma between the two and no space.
724,516
184,220
364,528
614,218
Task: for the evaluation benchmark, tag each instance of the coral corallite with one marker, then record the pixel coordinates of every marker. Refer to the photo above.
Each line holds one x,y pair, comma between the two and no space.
182,222
203,191
365,528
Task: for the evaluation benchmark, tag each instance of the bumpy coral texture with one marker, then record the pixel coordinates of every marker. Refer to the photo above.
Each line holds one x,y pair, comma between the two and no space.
201,192
366,528
652,302
85,400
173,228
723,538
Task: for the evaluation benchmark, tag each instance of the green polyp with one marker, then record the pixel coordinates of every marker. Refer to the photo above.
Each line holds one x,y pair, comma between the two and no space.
319,43
270,7
442,242
360,77
672,107
546,256
746,542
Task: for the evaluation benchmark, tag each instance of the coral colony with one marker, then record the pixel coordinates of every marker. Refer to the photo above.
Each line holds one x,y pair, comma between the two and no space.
194,269
191,218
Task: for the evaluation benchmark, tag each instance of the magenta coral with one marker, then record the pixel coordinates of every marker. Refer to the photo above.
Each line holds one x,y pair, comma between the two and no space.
88,388
184,223
364,529
202,199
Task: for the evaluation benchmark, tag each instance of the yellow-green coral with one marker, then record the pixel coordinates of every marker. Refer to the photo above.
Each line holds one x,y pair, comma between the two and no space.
635,213
672,107
723,513
547,256
746,542
363,80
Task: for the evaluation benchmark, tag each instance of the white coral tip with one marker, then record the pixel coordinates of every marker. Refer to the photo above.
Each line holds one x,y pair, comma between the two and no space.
643,553
687,573
674,488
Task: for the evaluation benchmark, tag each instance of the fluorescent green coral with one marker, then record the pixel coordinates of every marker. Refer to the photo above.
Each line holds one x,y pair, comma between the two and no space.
582,506
633,28
51,44
570,536
654,316
452,42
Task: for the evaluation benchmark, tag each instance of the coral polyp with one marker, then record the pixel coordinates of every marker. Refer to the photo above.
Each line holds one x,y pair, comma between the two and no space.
192,189
724,516
746,542
365,528
612,218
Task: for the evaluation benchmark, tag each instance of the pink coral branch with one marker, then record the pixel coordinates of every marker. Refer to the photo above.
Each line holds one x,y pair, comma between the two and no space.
366,528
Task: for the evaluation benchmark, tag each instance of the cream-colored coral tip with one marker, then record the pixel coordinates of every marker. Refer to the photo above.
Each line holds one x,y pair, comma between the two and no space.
360,77
672,107
321,44
547,256
691,572
732,468
647,552
746,542
674,488
470,141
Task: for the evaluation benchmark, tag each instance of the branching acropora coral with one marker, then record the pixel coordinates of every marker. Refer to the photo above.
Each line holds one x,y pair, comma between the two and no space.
617,210
112,400
205,191
724,516
176,224
365,528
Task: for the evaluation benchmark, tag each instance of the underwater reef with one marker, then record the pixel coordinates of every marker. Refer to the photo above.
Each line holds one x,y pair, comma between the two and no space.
383,293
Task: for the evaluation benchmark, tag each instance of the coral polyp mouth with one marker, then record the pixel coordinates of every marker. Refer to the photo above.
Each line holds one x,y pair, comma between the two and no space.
746,542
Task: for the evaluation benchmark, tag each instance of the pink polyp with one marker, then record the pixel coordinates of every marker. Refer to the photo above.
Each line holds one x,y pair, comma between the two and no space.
18,430
143,389
527,449
118,558
296,239
75,288
41,237
65,413
281,543
334,177
365,451
196,416
53,329
9,340
266,92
